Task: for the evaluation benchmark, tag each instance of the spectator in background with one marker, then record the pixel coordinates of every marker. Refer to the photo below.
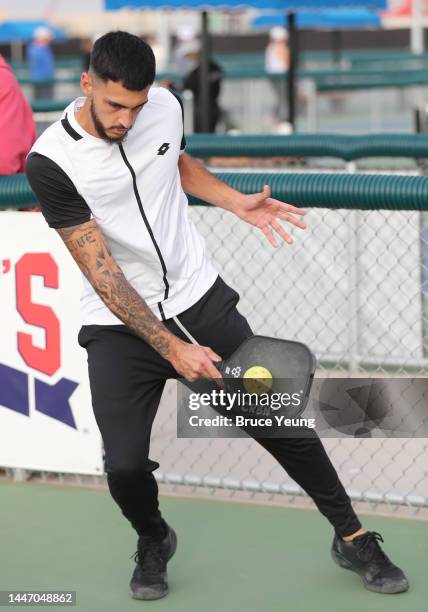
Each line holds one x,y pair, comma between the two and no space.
185,35
277,58
42,65
192,82
17,128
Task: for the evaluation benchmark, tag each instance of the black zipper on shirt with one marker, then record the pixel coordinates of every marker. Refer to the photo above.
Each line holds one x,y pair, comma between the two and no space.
149,229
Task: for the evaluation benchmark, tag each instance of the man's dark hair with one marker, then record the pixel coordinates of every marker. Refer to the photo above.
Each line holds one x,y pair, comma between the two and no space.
125,58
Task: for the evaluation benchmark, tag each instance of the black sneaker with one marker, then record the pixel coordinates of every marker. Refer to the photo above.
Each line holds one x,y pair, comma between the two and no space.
364,556
149,580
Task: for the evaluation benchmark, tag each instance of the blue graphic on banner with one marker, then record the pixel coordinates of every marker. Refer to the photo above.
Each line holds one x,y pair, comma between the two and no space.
51,400
14,390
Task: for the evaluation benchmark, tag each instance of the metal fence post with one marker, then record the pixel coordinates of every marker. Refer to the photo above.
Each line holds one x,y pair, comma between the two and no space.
353,329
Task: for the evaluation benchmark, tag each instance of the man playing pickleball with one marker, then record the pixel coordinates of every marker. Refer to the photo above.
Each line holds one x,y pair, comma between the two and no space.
111,178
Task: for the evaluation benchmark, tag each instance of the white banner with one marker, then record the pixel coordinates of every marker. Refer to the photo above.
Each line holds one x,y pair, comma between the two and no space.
46,418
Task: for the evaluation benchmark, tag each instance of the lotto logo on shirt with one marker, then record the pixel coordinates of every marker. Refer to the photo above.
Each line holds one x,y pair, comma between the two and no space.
163,149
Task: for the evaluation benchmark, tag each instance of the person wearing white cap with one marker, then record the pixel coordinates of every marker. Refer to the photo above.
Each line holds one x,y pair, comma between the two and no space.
185,35
41,62
277,59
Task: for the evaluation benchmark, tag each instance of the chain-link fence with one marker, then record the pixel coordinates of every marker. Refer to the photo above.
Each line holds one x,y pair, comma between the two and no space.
353,288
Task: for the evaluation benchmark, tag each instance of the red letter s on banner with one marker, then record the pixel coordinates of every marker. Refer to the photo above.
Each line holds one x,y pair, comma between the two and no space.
48,359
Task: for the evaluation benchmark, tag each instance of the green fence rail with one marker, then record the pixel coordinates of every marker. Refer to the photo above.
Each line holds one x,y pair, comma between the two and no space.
340,146
352,191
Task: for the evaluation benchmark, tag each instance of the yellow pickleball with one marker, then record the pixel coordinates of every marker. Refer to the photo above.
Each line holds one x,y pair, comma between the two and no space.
257,379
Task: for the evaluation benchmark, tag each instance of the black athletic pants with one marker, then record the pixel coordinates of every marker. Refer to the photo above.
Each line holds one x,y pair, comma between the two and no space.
127,377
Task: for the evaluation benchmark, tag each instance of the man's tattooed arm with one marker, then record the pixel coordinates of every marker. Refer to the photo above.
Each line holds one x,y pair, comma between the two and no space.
89,249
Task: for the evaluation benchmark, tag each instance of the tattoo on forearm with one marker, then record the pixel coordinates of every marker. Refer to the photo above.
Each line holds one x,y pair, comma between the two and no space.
86,238
89,248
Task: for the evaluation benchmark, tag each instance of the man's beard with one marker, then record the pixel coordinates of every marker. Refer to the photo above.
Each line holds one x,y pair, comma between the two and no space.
101,129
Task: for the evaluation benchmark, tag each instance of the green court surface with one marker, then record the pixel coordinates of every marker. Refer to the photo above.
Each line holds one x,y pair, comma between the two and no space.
230,556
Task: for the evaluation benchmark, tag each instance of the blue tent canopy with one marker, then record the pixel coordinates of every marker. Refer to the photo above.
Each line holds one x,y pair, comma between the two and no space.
22,31
294,5
332,20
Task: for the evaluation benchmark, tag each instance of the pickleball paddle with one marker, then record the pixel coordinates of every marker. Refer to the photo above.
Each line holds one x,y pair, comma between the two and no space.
262,364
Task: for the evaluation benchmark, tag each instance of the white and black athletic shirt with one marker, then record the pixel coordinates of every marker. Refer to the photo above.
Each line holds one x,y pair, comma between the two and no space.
134,193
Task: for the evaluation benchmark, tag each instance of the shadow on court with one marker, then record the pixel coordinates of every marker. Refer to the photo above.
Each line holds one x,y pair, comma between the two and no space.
230,556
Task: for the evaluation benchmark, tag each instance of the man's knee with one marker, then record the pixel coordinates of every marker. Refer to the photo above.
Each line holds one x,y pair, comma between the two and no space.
130,466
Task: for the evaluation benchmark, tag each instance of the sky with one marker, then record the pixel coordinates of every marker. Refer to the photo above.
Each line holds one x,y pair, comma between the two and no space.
37,9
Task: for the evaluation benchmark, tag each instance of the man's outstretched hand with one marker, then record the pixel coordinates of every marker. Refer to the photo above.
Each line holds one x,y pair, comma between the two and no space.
264,212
